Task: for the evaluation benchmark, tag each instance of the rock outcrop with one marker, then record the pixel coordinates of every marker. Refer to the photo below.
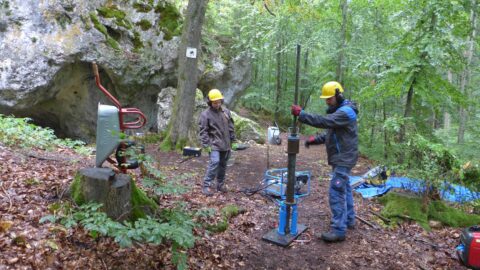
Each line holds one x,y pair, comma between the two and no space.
47,47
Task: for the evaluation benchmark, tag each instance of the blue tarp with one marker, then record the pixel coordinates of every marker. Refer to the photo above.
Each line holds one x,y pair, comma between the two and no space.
449,192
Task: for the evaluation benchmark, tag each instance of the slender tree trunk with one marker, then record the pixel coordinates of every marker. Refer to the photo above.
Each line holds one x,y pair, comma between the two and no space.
446,114
408,108
278,89
343,43
465,78
187,74
372,130
304,95
386,143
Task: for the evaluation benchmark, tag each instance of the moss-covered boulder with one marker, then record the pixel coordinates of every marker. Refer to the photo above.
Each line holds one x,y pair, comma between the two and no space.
246,129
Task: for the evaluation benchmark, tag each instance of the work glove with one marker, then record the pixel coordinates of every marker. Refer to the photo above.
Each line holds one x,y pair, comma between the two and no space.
309,141
207,149
234,146
296,109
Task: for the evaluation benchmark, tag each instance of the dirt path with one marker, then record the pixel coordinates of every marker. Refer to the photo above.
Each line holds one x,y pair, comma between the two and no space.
365,248
30,185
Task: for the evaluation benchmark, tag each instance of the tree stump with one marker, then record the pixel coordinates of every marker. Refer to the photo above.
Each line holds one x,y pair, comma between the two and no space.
102,185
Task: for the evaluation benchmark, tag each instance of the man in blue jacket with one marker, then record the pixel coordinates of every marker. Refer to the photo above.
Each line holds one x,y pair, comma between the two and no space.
341,141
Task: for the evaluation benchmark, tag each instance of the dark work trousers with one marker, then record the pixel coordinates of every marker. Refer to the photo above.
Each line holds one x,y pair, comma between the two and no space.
341,201
217,167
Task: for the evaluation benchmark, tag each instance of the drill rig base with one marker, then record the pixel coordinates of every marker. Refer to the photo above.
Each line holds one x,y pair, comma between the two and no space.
283,240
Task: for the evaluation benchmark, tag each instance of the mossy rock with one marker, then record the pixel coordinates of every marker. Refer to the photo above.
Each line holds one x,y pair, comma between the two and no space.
137,42
246,129
97,24
111,12
400,206
170,20
144,24
228,212
142,7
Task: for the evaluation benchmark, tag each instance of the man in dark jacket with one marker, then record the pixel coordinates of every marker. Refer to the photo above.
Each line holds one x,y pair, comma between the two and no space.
216,136
341,141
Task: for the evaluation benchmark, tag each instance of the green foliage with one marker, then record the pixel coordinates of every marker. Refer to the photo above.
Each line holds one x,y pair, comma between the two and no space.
20,132
172,226
430,161
162,186
425,155
398,207
469,175
155,180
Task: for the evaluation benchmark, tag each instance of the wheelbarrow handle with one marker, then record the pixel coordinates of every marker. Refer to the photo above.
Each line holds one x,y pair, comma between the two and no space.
139,122
100,86
95,70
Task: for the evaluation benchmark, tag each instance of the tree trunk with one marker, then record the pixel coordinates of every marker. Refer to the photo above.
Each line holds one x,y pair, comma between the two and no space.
278,88
386,142
408,108
465,78
187,74
304,96
372,130
102,185
343,43
446,114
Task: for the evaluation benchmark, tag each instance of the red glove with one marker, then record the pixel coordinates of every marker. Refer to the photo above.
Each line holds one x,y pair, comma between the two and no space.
296,110
310,140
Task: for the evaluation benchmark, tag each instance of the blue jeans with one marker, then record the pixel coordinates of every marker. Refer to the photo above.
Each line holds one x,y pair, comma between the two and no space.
217,168
341,201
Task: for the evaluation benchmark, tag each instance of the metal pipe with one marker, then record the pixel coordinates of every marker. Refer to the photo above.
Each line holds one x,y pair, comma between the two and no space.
292,149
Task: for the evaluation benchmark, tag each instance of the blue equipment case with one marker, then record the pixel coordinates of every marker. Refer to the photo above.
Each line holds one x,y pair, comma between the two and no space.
276,180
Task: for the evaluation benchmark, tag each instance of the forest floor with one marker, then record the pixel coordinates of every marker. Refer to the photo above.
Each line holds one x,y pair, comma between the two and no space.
32,180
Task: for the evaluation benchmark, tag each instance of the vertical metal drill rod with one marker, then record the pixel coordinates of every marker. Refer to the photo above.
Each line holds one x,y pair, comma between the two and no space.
293,149
297,77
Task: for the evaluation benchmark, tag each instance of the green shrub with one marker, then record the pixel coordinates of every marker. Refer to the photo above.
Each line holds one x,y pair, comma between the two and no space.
20,132
172,226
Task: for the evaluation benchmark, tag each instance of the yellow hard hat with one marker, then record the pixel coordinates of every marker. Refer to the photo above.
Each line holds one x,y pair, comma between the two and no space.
214,94
330,88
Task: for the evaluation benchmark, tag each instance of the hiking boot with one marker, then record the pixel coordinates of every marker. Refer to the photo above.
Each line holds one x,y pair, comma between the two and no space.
207,191
332,237
221,188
